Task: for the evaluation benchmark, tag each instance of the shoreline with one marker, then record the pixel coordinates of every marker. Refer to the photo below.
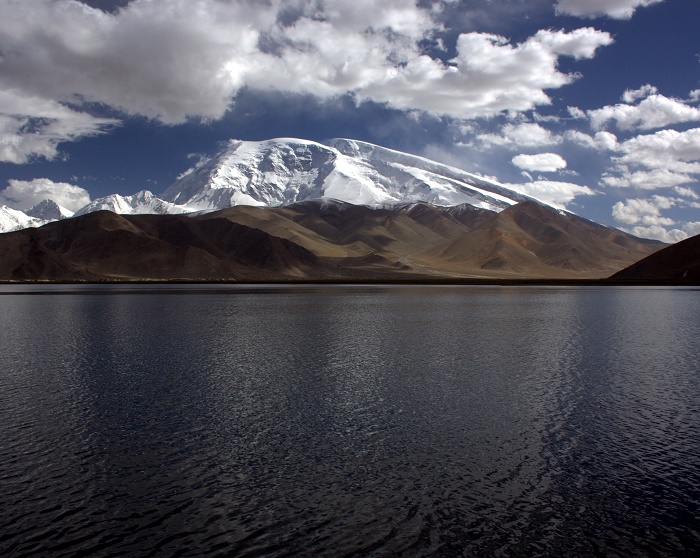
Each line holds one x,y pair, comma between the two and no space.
370,282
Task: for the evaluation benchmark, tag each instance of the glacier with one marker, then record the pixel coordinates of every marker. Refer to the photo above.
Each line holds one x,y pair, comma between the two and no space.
287,170
282,171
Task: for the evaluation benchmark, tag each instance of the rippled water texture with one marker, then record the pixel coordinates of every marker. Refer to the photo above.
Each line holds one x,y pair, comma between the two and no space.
494,421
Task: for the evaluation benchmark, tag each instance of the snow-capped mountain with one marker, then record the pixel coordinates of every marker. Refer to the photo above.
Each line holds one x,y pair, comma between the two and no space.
282,171
48,210
141,203
36,216
13,219
286,170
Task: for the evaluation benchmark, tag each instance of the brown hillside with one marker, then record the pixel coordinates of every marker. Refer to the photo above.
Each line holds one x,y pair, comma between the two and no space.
322,240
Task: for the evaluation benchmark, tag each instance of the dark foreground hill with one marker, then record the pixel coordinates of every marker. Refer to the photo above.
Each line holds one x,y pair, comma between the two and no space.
678,262
322,240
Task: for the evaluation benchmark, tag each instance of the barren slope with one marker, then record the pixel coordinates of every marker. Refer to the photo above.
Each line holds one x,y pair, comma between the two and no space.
322,240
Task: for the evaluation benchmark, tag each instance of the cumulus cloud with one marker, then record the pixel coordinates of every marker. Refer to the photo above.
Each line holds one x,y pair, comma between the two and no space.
542,162
648,221
558,194
657,232
632,95
576,113
617,9
686,192
521,135
645,216
645,180
665,159
31,126
655,111
178,59
666,149
602,141
646,212
23,194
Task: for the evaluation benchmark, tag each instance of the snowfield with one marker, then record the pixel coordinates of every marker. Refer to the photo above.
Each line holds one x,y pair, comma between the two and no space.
286,170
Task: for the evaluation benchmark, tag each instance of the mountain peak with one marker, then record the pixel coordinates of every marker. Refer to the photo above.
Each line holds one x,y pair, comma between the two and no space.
281,171
140,203
48,210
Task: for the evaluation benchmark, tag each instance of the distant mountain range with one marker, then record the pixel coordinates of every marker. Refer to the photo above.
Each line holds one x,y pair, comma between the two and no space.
288,208
282,171
325,240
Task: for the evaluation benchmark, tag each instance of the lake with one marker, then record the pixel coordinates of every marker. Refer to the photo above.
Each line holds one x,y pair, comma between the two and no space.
349,420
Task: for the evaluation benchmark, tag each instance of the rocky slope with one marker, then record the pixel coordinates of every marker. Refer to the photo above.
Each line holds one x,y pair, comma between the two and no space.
322,240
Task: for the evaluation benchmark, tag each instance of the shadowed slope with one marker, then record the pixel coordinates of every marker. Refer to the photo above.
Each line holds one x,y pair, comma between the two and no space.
322,240
678,262
106,245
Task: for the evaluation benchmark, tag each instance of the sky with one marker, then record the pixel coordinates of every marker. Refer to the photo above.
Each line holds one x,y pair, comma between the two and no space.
590,104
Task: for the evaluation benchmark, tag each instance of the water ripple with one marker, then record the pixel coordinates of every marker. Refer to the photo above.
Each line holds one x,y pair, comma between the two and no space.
351,421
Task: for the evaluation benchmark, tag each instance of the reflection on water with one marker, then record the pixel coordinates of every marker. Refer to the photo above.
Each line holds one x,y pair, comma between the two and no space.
350,420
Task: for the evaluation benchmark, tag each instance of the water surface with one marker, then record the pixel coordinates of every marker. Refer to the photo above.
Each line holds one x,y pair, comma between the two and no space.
349,420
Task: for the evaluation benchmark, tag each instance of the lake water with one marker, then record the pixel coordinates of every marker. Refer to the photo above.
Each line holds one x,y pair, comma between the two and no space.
349,420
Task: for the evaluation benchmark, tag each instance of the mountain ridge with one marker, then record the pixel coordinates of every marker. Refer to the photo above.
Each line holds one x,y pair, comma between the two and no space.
321,240
282,171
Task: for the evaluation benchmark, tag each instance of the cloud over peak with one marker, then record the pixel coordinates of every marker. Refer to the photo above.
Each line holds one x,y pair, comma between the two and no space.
175,60
23,194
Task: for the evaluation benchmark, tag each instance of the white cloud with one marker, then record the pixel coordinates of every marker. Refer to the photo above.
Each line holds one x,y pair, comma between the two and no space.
632,95
602,141
645,180
541,162
646,212
31,126
694,95
617,9
23,194
647,220
645,215
665,159
655,111
657,232
576,113
176,59
488,76
686,192
555,193
521,135
665,149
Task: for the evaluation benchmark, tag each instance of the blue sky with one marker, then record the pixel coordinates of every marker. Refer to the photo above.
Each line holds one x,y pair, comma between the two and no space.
593,104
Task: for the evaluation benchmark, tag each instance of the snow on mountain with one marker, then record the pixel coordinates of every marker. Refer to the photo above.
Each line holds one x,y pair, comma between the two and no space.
286,170
48,210
141,203
13,219
40,214
282,171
